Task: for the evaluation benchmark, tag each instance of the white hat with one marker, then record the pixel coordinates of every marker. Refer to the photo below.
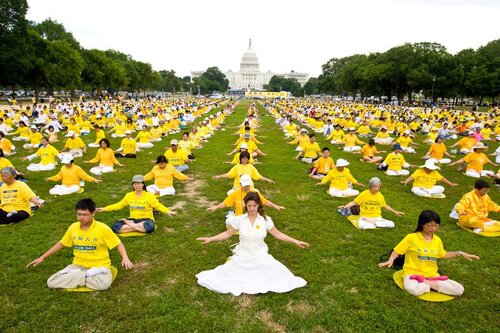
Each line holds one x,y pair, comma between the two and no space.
245,180
33,127
407,132
429,164
67,158
244,145
352,129
341,163
303,130
128,132
70,134
174,142
470,132
480,145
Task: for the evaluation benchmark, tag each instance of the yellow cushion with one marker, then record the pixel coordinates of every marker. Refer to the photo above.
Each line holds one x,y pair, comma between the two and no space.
114,272
482,233
430,296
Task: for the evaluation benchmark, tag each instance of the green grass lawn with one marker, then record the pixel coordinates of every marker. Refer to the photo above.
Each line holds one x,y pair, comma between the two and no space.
346,291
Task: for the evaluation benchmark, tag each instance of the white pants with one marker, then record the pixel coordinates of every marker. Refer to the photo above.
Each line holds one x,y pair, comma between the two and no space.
307,160
298,148
408,150
374,222
162,191
156,140
335,142
41,167
117,135
101,169
348,192
473,173
444,161
30,146
397,173
73,276
383,141
448,287
145,145
94,145
76,152
497,159
63,190
20,138
352,148
465,151
427,192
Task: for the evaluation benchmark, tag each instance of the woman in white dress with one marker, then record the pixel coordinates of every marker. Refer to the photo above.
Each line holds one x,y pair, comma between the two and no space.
251,269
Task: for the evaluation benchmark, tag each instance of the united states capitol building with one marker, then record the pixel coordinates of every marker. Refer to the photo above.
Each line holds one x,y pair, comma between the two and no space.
249,77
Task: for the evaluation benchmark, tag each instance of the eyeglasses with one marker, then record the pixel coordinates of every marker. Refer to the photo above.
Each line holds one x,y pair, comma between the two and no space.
433,225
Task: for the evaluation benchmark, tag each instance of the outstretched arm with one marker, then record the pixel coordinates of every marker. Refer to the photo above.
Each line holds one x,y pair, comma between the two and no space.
284,237
58,246
222,236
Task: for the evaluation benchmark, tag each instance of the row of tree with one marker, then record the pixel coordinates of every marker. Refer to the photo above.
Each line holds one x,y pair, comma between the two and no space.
423,68
44,56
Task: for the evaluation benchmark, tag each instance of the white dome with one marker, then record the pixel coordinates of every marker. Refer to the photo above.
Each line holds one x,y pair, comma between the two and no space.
249,61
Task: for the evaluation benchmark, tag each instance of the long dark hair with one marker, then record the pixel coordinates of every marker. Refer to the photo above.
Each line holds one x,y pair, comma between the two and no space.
425,217
254,196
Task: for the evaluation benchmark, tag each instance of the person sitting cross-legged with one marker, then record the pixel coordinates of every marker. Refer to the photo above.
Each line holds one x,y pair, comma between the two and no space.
425,181
90,241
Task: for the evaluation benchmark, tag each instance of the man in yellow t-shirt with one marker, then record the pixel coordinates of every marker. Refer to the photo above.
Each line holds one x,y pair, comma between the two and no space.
425,181
90,241
323,165
163,174
71,175
128,146
395,162
15,198
177,157
340,178
310,150
74,145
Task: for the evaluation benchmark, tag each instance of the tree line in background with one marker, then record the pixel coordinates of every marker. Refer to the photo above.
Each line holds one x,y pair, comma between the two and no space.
414,69
45,57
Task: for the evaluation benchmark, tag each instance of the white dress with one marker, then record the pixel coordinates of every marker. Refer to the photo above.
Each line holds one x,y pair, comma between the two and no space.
251,269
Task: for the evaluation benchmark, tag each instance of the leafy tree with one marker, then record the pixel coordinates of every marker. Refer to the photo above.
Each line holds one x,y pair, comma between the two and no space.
51,30
169,82
211,80
312,86
12,16
279,83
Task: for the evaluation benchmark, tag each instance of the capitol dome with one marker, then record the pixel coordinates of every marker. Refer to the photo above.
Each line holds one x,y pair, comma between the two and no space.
249,61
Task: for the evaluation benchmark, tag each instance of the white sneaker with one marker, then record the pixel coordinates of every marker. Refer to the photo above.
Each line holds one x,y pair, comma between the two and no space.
477,230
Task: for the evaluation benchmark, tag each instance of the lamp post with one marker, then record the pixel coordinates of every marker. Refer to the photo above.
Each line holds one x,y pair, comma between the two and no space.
432,91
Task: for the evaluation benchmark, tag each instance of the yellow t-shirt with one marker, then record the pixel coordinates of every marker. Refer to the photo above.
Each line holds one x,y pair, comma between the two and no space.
129,146
177,158
243,169
404,141
395,161
420,255
235,200
370,204
140,207
336,135
144,136
424,179
164,177
187,146
437,150
340,180
369,151
90,247
467,143
5,163
35,138
71,176
75,143
47,154
324,165
475,161
105,156
311,150
16,196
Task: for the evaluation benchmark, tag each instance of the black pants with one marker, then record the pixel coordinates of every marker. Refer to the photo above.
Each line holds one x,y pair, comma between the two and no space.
118,155
13,218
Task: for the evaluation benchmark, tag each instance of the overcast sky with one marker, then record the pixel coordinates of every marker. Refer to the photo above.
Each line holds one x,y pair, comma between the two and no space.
186,35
